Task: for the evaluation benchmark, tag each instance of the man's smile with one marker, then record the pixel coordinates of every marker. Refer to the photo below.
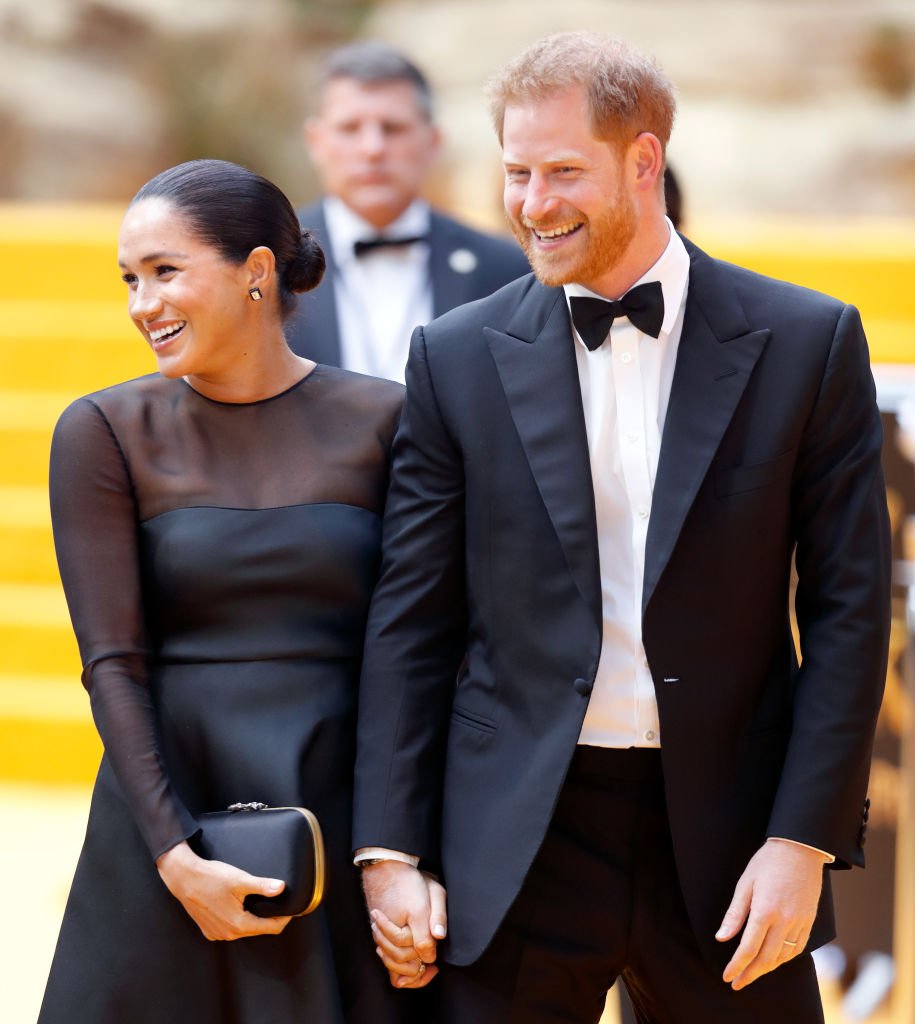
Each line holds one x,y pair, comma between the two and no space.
551,234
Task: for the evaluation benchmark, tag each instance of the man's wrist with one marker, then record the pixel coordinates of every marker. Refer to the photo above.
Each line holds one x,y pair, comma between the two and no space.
828,858
368,856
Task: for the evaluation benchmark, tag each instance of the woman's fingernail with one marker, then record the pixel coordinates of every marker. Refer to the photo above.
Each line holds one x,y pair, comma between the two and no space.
439,931
274,886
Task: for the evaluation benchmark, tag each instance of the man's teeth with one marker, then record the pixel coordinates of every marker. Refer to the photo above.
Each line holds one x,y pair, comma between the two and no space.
165,332
558,232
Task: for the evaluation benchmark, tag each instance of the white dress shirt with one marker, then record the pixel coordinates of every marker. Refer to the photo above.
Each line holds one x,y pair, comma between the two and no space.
625,388
382,295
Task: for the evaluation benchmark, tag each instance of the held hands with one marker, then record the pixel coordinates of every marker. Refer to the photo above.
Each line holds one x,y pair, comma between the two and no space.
777,898
213,894
407,910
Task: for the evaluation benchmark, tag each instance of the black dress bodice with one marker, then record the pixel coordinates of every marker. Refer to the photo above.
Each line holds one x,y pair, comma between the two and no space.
190,531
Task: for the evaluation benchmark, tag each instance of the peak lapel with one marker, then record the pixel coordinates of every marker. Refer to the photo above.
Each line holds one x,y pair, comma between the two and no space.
535,359
717,354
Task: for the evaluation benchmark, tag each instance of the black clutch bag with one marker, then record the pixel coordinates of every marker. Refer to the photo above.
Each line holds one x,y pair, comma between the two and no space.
272,842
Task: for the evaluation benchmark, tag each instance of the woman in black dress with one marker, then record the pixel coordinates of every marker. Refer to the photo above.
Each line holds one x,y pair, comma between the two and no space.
217,529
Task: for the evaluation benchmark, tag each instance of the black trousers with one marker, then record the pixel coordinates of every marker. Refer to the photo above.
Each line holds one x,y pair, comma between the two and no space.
602,900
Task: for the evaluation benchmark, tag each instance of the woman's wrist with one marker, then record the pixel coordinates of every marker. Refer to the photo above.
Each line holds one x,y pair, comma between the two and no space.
175,860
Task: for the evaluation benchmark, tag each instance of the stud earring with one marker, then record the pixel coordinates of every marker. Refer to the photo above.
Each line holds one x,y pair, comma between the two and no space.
255,294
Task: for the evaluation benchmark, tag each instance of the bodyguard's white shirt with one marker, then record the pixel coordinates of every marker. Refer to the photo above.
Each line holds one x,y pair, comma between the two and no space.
625,389
382,295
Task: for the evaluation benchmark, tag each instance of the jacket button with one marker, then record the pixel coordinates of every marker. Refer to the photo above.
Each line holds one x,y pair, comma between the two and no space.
582,686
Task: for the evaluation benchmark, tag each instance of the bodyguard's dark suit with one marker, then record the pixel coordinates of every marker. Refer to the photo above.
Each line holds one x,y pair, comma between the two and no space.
771,444
485,264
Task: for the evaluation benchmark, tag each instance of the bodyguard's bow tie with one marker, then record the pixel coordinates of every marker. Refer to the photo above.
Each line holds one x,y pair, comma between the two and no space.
364,245
643,305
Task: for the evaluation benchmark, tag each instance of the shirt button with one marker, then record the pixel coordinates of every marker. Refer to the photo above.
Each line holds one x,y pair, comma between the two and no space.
582,686
626,357
632,438
643,511
649,735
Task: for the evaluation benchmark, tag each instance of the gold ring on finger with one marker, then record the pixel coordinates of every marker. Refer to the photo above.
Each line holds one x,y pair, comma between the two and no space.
422,969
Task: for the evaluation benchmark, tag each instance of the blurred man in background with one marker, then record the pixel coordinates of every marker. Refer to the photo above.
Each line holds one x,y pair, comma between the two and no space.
393,262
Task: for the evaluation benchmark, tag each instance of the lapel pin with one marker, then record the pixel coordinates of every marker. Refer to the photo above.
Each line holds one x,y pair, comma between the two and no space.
462,261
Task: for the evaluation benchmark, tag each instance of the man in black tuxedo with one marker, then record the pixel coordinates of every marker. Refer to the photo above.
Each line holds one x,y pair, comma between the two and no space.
392,262
581,703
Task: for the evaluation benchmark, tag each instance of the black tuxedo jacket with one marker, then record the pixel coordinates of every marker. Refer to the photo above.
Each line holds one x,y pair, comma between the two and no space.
313,331
771,449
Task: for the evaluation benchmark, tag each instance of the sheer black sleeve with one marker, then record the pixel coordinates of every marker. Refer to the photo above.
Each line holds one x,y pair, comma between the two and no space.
95,522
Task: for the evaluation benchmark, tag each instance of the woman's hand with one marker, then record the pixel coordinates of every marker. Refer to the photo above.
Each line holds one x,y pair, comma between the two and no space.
213,894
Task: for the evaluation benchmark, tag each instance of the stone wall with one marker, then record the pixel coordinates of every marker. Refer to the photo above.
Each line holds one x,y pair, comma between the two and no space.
786,106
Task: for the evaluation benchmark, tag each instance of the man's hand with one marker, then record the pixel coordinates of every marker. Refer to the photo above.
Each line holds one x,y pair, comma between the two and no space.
777,897
407,909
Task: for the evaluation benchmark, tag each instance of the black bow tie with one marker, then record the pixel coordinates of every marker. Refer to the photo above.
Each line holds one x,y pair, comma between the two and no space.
364,245
643,305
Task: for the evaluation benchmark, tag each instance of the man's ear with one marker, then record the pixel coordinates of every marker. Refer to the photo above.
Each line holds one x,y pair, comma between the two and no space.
646,162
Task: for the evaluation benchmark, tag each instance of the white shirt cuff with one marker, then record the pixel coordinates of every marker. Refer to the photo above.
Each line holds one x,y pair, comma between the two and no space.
380,853
830,858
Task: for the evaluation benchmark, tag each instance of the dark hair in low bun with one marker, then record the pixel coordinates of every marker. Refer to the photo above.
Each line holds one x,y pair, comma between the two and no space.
235,210
306,269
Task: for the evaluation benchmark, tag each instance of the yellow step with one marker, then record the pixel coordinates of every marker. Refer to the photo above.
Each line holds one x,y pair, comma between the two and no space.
24,507
26,423
32,410
36,637
33,605
875,283
26,541
39,239
869,262
68,347
38,650
25,457
26,320
46,730
27,555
